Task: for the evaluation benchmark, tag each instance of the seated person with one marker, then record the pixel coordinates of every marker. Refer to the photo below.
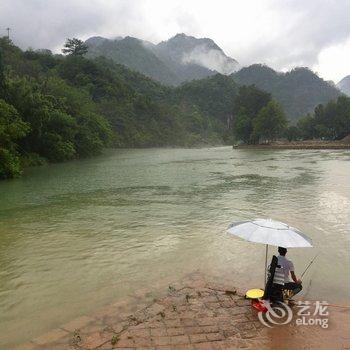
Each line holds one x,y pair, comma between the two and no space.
288,267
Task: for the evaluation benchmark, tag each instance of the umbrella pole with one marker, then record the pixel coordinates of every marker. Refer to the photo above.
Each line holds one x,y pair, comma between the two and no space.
267,248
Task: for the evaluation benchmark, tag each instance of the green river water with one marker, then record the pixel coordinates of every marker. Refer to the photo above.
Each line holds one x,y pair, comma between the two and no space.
76,236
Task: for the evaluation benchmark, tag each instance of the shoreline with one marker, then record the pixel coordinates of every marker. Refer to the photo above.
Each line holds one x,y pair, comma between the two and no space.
302,145
198,312
294,147
307,144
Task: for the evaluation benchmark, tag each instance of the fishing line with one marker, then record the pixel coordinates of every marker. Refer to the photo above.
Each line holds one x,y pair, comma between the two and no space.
307,267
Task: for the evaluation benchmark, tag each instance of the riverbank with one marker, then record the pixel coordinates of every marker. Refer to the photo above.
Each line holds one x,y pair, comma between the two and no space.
199,312
309,144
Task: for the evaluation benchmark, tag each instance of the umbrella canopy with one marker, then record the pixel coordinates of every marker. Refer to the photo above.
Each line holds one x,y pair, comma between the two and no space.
270,232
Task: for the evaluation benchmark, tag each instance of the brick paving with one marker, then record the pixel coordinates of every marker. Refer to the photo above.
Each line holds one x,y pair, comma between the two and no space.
194,314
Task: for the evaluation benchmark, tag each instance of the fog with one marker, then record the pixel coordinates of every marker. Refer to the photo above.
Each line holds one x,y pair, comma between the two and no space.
282,34
212,59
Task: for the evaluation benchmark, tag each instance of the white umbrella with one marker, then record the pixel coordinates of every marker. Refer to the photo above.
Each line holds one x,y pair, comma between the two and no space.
270,232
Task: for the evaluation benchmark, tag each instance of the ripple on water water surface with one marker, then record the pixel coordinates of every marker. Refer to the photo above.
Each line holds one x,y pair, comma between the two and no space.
75,236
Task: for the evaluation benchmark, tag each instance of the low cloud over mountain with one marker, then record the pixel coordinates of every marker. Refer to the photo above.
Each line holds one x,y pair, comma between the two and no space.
344,85
181,58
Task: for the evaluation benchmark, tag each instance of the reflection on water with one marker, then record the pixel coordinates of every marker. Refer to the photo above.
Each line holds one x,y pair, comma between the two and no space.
75,236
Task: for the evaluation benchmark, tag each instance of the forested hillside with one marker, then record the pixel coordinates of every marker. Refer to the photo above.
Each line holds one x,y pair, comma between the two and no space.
213,95
328,122
299,91
56,108
134,54
184,58
180,59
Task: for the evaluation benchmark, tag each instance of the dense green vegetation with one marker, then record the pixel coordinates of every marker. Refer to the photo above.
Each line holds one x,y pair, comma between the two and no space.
257,117
75,47
328,122
270,123
12,128
213,97
41,115
184,58
134,54
298,91
55,108
180,59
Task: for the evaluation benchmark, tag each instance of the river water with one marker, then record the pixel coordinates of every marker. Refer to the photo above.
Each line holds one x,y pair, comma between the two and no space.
78,235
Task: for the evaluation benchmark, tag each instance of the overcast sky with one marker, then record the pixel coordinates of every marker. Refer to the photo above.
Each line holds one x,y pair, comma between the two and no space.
280,33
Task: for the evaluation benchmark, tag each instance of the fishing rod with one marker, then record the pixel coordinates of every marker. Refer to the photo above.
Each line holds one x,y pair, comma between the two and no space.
307,267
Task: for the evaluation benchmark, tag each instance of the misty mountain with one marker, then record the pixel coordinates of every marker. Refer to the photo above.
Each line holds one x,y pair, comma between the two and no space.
179,59
134,54
344,85
299,90
213,96
186,50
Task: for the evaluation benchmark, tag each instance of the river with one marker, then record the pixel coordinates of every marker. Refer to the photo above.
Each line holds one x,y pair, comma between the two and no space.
78,235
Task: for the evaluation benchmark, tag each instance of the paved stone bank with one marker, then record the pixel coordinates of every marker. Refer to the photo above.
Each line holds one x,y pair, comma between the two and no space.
195,314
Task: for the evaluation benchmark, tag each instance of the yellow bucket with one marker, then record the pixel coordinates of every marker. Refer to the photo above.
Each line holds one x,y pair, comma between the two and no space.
254,293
